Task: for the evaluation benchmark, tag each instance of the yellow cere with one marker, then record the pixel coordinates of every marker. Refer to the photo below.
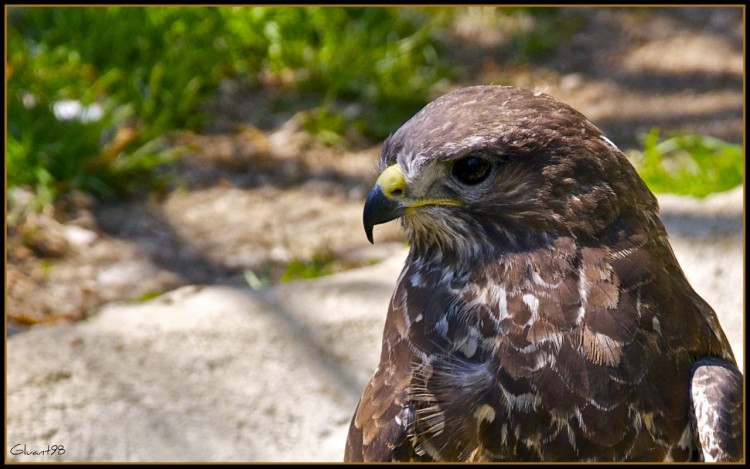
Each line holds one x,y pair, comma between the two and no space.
392,180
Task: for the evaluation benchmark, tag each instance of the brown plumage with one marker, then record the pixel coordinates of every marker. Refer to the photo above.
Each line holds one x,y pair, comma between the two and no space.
541,313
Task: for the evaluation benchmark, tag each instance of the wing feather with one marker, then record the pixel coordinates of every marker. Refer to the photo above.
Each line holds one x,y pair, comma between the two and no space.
716,395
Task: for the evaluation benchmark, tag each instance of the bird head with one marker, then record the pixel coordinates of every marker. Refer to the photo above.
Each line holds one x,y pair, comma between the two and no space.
498,167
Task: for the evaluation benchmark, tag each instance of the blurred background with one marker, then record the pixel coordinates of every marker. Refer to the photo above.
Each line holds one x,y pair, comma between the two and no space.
149,148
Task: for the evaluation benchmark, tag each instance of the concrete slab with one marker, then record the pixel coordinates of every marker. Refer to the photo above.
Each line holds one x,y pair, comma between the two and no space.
230,374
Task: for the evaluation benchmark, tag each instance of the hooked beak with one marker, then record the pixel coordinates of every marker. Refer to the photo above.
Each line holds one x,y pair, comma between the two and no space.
386,201
389,200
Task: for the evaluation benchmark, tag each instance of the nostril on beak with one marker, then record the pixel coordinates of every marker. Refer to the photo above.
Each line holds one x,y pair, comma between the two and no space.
397,192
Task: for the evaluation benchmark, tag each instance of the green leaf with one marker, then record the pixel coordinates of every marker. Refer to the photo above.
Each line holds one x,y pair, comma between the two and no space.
693,165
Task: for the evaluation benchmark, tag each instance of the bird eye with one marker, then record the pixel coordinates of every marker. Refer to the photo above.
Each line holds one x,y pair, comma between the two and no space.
471,170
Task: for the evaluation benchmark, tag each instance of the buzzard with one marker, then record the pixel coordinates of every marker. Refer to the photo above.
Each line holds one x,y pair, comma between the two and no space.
541,314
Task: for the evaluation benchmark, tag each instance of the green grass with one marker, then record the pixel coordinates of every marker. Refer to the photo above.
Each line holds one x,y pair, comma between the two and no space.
138,74
146,71
132,64
148,296
694,165
318,266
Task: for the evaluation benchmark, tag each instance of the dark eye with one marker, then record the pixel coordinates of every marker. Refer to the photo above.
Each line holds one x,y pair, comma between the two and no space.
471,170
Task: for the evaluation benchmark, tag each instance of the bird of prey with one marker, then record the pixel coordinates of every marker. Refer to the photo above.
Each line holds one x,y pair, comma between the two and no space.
541,314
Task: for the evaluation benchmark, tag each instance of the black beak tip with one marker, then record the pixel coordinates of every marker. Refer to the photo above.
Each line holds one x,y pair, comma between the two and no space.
379,209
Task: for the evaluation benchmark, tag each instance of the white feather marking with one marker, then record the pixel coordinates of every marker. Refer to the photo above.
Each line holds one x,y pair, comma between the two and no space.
469,347
492,296
523,402
705,422
610,143
648,421
579,417
540,281
485,412
601,348
447,276
471,141
416,280
583,292
532,302
449,124
502,303
441,327
534,443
